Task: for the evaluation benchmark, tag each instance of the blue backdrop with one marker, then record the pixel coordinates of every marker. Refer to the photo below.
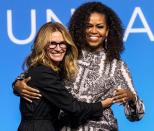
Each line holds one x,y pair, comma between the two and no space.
19,21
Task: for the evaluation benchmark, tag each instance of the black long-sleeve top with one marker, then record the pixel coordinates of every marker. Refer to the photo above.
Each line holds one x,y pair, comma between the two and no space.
42,114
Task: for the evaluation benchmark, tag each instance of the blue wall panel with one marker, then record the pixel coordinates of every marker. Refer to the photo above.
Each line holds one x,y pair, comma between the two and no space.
19,21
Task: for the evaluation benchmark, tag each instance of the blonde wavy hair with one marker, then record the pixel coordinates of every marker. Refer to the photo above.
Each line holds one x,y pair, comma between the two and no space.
39,55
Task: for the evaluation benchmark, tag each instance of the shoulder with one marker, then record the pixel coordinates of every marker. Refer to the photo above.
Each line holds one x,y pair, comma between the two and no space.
44,77
42,70
119,63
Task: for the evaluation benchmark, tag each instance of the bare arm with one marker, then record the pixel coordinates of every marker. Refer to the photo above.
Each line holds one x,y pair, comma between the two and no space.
25,91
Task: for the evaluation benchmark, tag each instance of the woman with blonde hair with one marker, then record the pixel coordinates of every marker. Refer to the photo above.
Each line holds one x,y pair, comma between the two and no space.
52,59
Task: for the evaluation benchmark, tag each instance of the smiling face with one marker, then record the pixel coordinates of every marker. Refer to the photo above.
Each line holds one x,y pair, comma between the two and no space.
56,48
96,30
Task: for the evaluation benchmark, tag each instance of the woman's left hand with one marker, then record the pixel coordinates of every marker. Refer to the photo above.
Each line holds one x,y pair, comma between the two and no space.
122,96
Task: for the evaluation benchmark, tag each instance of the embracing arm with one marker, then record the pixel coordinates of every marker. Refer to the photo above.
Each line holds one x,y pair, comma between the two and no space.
134,107
52,88
15,85
20,88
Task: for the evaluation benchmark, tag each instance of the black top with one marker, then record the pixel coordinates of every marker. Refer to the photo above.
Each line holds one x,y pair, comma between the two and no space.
42,114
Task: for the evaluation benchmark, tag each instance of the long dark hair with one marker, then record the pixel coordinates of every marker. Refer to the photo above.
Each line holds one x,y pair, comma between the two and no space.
77,27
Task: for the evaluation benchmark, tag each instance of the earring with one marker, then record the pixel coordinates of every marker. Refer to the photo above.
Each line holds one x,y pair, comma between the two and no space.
105,44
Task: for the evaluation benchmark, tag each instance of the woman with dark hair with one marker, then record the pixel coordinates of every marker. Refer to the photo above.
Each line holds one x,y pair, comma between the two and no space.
98,33
79,22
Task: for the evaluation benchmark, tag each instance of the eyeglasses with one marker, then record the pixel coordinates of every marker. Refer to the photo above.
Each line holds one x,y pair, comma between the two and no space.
53,44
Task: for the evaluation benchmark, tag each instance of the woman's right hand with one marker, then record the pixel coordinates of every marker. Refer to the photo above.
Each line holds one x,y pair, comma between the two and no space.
107,102
25,91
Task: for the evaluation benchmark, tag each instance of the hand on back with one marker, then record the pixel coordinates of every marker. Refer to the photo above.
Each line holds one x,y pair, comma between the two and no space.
25,91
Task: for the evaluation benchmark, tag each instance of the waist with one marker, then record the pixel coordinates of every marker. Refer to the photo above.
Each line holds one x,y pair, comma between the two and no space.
37,118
